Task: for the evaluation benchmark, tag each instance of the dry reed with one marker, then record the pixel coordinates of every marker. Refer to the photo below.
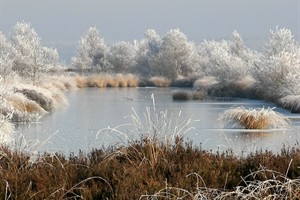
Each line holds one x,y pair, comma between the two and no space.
63,83
159,81
260,118
108,80
278,187
21,109
48,97
81,81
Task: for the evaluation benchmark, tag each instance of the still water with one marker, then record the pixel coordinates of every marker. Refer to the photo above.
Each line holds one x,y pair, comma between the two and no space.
84,124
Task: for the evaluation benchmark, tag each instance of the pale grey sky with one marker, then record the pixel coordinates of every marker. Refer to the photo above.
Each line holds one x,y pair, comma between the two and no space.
63,22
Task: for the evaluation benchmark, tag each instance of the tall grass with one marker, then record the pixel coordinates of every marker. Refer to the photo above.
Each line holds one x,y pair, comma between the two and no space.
261,118
107,80
158,130
22,109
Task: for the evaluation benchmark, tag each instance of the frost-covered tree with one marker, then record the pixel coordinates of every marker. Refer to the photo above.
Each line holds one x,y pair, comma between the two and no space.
32,59
91,52
51,56
227,60
279,70
7,54
280,40
122,56
177,56
147,53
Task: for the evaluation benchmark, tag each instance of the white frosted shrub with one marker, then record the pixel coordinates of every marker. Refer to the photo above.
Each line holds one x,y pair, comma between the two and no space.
227,60
122,57
7,57
32,58
147,54
91,52
278,73
205,83
176,56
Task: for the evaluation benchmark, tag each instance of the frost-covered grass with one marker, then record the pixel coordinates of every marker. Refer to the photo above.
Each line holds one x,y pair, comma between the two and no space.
291,102
155,170
22,108
277,187
60,82
240,87
47,96
107,80
24,103
160,81
260,118
6,129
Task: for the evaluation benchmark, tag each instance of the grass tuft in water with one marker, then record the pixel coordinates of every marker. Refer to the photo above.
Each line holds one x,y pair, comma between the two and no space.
261,118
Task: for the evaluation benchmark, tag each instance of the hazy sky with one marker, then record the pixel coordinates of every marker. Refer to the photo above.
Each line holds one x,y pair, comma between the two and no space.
63,22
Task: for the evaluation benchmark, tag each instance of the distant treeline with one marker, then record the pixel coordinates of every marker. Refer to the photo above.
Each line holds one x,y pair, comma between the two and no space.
274,73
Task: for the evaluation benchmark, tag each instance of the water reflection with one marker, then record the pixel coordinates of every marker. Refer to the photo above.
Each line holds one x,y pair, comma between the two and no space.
77,126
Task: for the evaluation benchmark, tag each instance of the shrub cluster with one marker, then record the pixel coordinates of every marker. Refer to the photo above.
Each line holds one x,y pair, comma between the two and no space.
146,169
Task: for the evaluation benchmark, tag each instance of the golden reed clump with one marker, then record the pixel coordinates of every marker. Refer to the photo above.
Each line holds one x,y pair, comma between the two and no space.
260,118
107,80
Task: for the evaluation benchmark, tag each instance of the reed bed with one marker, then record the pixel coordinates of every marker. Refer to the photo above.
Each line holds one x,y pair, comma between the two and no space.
159,81
107,80
261,118
80,81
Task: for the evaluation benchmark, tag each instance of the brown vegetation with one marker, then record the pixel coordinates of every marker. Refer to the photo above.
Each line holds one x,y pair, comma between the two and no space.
261,118
159,81
107,80
146,168
187,95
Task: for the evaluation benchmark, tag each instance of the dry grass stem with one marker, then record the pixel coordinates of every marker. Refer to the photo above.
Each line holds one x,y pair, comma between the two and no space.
261,118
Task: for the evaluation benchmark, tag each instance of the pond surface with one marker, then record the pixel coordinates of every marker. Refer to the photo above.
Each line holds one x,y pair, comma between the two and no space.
92,113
